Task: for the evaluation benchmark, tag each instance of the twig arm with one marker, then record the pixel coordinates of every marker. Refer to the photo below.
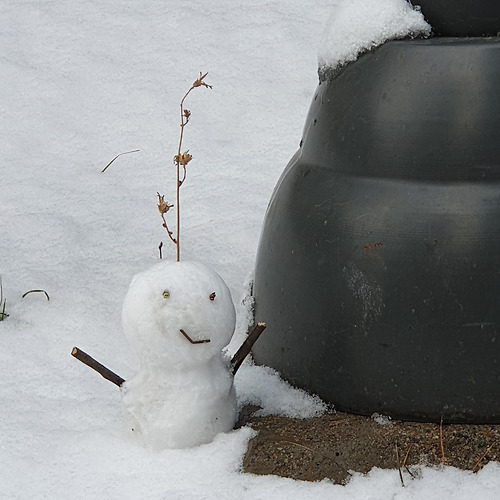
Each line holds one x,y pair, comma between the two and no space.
246,347
98,367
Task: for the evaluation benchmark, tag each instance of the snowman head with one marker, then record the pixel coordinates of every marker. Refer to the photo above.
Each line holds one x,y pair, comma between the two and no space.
177,315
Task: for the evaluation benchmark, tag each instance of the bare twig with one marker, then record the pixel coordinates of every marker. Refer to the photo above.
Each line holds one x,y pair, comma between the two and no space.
117,156
98,367
36,291
246,347
204,341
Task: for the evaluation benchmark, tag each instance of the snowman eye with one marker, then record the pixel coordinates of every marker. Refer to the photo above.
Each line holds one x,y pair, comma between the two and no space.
166,294
212,296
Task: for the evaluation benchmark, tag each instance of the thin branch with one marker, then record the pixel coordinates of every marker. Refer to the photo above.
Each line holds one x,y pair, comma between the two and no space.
204,341
246,347
98,367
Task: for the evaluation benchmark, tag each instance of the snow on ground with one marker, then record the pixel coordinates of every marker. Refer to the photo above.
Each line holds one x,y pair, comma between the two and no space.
82,82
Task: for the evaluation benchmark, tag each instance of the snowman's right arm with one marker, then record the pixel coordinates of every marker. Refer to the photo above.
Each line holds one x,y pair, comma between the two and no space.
98,367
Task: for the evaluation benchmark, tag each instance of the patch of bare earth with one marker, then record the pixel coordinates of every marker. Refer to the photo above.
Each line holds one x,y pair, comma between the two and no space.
336,445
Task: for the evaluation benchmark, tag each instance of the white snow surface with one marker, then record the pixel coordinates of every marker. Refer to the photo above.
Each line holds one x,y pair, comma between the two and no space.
82,82
355,26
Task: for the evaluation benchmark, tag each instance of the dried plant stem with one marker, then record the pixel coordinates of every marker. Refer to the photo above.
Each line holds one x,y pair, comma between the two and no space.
405,462
476,466
184,122
399,466
163,208
181,159
441,444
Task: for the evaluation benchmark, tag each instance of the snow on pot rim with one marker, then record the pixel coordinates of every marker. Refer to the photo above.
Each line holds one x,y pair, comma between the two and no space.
356,26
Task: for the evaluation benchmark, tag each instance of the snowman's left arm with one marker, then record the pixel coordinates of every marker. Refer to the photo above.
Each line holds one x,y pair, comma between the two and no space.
246,347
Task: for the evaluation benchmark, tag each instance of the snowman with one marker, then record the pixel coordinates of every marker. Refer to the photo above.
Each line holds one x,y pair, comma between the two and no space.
177,317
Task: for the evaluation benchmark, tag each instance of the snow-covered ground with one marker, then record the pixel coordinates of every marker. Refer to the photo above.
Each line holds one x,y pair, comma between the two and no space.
82,82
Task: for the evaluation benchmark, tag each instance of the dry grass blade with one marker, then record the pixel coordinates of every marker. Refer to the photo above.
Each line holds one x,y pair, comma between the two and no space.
476,466
36,291
441,444
405,462
399,466
3,314
117,156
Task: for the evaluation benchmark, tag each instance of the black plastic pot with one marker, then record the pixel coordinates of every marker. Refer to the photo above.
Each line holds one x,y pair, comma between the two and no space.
378,269
462,17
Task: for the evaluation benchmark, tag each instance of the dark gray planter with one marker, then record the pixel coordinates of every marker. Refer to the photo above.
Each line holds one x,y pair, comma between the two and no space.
378,269
462,17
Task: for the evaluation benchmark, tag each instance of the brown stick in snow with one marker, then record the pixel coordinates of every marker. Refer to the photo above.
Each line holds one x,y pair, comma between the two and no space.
98,367
246,347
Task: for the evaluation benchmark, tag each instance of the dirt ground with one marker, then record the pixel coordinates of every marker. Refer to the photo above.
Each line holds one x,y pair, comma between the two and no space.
336,444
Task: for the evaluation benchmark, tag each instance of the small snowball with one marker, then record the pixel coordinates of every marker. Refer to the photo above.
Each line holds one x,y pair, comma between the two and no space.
356,26
381,419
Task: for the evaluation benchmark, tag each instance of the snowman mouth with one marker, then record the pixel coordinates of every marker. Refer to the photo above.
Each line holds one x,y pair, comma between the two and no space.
187,337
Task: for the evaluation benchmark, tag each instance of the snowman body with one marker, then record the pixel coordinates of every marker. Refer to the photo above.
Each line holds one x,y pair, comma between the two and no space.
177,317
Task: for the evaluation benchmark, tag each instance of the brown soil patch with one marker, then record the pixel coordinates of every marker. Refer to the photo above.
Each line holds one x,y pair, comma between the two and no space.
334,445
